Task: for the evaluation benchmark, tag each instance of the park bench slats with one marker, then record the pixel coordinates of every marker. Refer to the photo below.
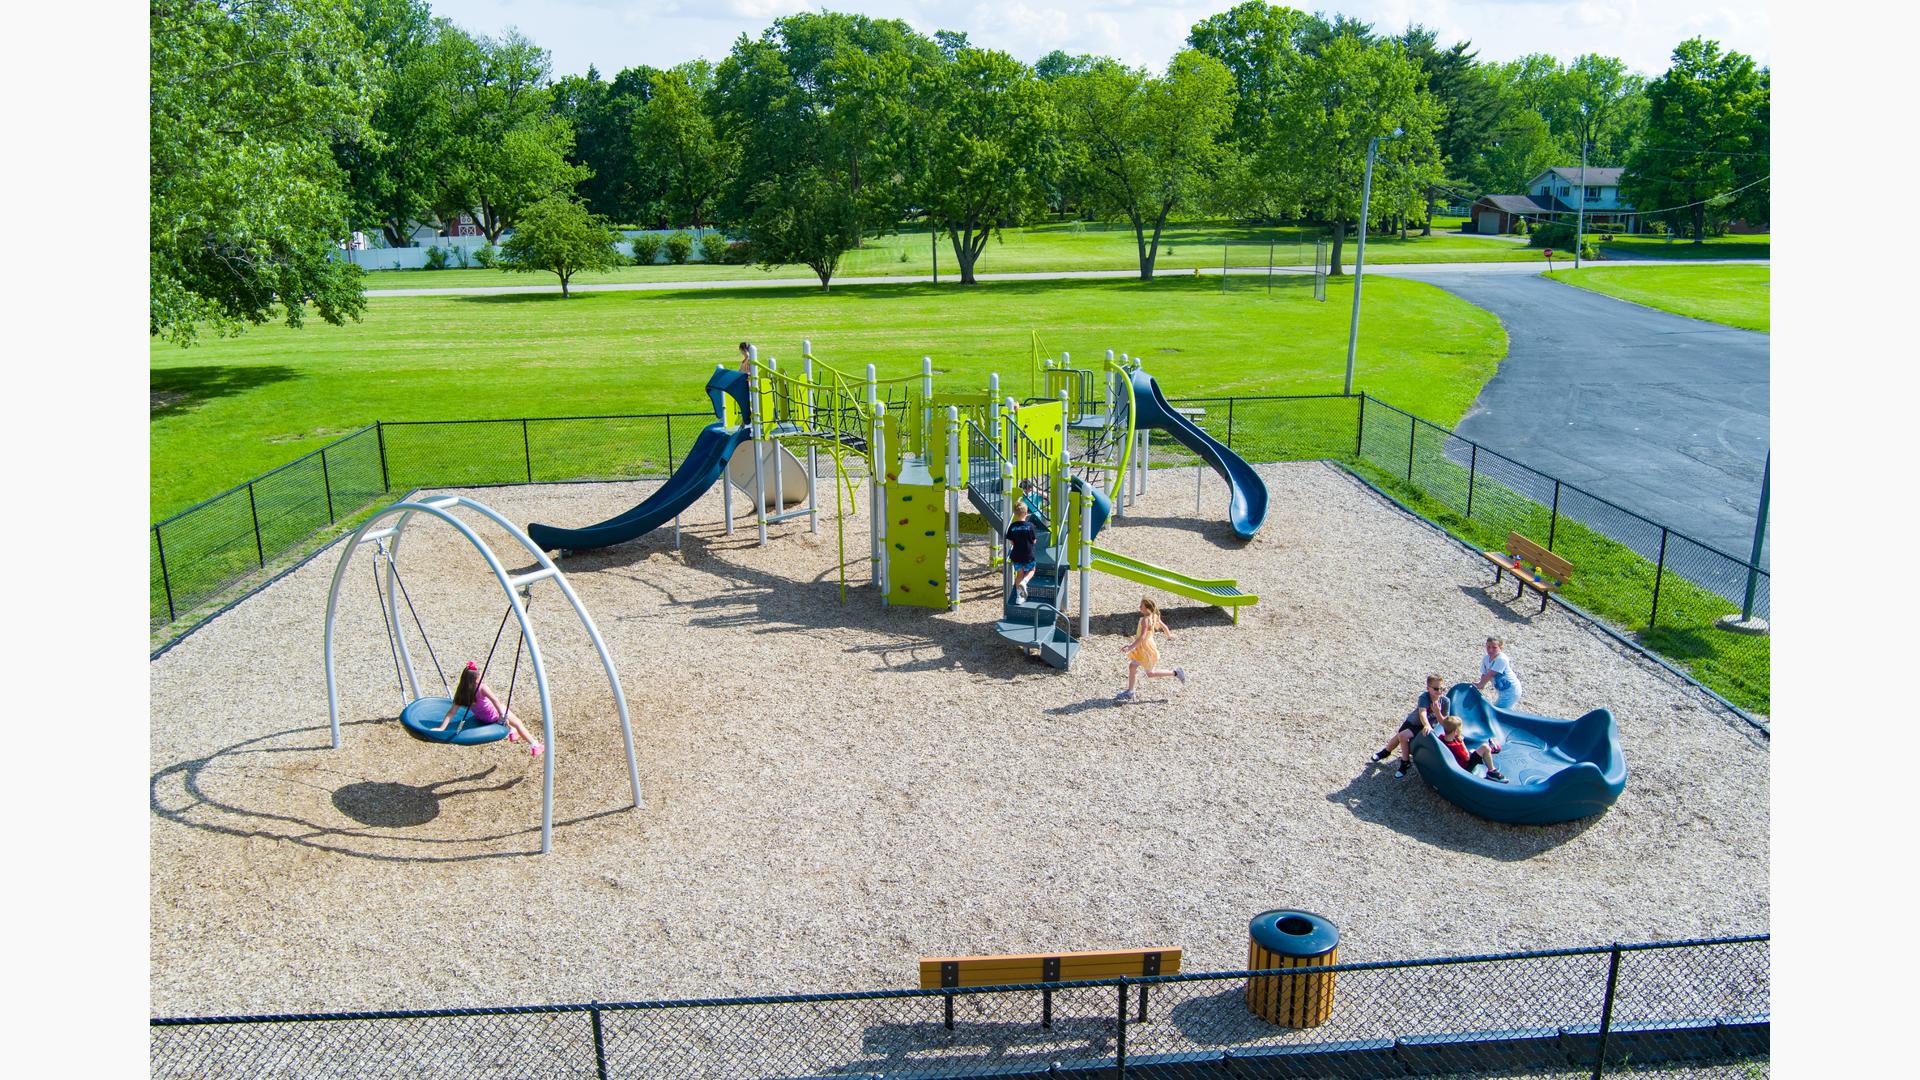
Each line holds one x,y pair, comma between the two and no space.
1033,967
1522,553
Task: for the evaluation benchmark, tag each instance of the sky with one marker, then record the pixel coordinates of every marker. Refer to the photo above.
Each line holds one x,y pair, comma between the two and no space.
616,34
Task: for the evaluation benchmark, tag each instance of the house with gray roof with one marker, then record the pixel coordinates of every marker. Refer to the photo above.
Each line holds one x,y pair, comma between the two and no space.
1559,194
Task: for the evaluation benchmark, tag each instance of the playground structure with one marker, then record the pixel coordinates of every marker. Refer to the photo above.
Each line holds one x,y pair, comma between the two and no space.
944,465
1557,770
419,708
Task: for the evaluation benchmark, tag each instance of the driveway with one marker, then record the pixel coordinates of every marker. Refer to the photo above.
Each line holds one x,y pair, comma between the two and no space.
1663,415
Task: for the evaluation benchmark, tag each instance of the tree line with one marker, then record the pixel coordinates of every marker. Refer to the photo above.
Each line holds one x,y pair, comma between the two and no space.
279,127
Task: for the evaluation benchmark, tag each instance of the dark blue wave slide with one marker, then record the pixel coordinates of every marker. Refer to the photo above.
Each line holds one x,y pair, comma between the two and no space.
705,463
1248,506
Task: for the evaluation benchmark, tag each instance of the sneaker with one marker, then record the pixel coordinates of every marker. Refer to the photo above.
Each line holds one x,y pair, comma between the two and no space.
1020,594
1384,754
1124,695
536,750
1496,776
1401,772
1181,674
512,735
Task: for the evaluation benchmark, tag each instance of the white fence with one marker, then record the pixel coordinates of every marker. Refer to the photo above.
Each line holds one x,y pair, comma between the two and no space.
415,258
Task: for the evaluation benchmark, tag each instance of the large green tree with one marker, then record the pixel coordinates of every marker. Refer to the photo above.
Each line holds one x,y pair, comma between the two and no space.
806,216
1704,150
512,150
1261,46
626,186
1348,93
395,176
990,143
247,100
674,132
560,236
1145,146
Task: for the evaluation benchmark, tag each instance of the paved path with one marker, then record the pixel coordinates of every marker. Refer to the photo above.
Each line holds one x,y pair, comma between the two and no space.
1396,269
1664,415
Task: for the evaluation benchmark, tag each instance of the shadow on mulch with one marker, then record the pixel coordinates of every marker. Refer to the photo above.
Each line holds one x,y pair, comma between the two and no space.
1413,809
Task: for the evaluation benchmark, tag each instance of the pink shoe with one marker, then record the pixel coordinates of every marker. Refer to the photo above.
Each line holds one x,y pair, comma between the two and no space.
512,735
538,750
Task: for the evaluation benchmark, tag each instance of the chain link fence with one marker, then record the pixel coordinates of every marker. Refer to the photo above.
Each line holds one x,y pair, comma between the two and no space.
1697,1008
1671,591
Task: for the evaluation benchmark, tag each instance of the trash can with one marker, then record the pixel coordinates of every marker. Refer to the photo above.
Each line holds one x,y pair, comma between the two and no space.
1291,939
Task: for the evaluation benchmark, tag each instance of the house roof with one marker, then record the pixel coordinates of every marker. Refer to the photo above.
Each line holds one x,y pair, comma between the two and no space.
1512,204
1596,176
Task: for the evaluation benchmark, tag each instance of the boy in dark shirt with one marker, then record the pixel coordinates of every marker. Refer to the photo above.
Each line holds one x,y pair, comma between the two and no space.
1021,536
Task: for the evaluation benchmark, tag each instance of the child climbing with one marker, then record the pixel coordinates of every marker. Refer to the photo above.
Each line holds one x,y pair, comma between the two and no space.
1457,745
1143,655
746,358
1430,709
472,694
1021,536
1033,496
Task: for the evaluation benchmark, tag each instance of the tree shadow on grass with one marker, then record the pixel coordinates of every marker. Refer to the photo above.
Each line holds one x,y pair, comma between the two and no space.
1170,281
177,389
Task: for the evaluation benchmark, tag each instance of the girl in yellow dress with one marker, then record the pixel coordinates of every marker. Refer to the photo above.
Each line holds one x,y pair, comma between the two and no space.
1143,655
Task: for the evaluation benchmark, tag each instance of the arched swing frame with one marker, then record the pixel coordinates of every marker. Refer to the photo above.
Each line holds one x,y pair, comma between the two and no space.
442,507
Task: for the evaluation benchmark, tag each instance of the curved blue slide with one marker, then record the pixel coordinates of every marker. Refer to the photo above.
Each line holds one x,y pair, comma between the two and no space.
1248,508
704,464
1557,770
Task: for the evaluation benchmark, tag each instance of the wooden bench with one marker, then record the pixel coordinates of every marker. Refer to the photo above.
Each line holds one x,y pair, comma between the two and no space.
952,972
1549,571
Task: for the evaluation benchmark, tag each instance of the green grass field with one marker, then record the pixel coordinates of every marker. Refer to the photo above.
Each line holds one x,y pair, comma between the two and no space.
232,408
1068,246
1733,295
1646,246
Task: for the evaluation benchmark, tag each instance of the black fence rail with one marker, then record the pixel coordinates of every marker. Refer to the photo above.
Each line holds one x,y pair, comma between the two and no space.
1700,1008
1668,589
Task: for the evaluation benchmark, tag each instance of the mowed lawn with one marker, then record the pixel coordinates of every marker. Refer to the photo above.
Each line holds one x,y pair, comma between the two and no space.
1649,246
1069,246
229,409
1733,295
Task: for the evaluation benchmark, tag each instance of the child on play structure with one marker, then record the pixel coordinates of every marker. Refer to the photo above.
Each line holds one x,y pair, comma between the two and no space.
1033,496
1497,669
1143,655
1456,745
1427,711
746,358
1021,536
472,694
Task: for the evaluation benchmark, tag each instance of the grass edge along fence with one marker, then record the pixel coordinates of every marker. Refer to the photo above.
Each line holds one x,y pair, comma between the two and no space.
1648,580
1696,1003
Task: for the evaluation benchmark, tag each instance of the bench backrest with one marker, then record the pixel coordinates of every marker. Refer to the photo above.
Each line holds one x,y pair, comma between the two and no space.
951,971
1559,568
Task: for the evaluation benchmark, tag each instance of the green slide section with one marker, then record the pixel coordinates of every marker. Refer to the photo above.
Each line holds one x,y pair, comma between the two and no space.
1220,592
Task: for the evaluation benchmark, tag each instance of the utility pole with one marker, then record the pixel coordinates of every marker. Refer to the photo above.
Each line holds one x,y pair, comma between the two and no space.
1360,254
1580,218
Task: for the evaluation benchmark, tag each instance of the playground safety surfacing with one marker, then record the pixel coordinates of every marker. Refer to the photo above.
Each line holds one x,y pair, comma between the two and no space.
833,791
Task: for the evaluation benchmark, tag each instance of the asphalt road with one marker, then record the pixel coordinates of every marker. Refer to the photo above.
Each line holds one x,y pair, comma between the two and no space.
1663,415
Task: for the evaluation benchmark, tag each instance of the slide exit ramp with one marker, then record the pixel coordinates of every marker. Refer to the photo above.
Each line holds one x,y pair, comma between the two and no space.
704,464
1220,592
1248,506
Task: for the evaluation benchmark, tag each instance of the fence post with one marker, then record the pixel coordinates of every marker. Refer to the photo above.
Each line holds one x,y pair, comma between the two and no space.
669,444
380,436
326,482
599,1046
165,582
1413,429
1120,1034
1658,569
1553,522
1473,468
526,447
259,549
1230,423
1606,1011
1360,430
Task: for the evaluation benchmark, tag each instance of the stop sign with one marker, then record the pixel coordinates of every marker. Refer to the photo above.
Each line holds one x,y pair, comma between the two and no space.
1549,253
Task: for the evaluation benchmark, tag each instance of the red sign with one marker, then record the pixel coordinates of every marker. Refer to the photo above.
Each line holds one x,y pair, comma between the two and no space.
1549,253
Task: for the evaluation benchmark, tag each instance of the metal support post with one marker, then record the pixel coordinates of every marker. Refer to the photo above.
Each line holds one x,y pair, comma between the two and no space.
526,447
996,540
1359,429
772,447
380,439
1606,1011
1086,558
813,450
1553,518
253,507
1120,1036
1146,457
879,445
726,501
326,484
926,402
599,1047
1759,541
874,467
166,582
954,483
756,430
1473,468
1659,570
1006,515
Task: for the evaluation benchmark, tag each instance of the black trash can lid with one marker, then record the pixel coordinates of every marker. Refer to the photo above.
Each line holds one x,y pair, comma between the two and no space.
1294,933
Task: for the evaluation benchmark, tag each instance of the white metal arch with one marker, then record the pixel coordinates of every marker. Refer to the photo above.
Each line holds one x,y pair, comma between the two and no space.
441,507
